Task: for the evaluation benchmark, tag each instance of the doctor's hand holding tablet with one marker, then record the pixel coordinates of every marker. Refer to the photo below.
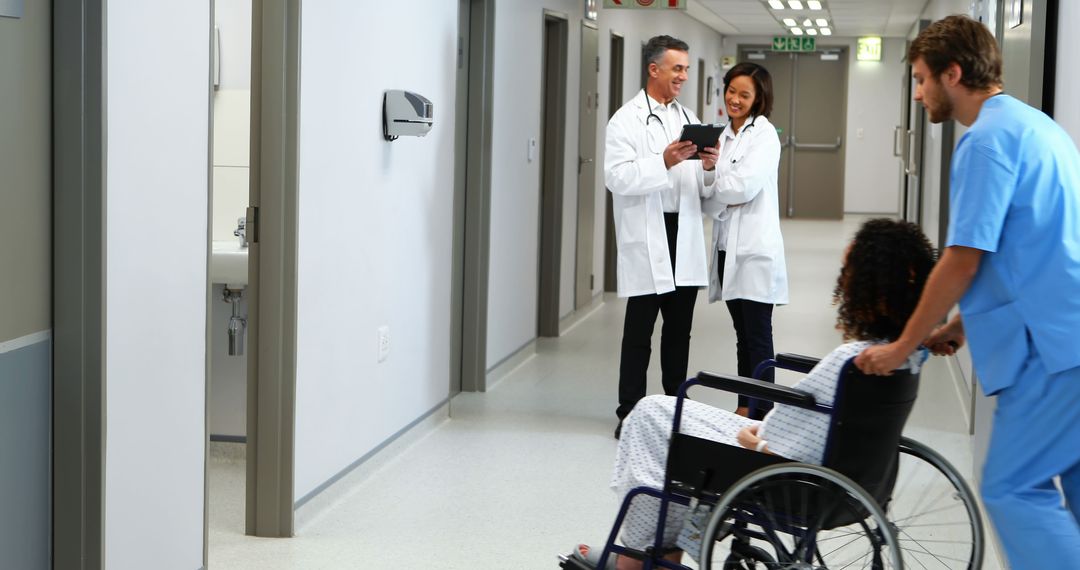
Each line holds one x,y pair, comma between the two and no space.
693,137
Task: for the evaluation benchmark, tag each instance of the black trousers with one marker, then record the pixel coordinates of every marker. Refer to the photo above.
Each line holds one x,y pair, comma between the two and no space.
753,341
677,308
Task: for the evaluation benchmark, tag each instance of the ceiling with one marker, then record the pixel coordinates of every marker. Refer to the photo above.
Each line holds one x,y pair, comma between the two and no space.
889,18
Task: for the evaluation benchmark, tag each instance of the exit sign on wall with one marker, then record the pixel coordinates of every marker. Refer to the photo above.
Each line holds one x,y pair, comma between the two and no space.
794,43
661,4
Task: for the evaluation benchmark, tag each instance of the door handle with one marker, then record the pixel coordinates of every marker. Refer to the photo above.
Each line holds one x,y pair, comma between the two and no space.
910,167
898,141
581,162
809,146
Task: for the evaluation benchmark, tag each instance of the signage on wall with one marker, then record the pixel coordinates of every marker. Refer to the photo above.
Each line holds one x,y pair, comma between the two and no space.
650,4
794,43
868,49
11,8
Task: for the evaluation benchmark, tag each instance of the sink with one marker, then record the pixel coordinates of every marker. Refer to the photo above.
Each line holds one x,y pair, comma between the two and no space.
229,264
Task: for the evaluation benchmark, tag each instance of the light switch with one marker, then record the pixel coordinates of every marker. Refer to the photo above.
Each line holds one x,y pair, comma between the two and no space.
531,152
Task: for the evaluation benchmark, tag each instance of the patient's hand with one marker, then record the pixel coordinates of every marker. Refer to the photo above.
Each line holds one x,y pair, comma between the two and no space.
748,436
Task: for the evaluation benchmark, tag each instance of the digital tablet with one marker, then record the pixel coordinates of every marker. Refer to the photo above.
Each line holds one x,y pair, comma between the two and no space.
702,136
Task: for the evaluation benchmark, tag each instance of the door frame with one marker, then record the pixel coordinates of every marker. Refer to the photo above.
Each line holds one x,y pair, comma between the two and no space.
78,305
272,267
471,247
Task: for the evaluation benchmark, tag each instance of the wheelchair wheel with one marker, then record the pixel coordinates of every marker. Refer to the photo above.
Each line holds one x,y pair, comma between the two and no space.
934,513
801,517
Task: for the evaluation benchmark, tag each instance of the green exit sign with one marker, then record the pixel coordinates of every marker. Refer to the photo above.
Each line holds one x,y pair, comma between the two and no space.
794,43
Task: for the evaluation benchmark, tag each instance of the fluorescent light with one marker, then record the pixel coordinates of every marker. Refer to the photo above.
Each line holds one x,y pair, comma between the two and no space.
807,23
830,57
755,55
790,22
811,31
826,32
795,4
822,22
776,4
813,4
796,31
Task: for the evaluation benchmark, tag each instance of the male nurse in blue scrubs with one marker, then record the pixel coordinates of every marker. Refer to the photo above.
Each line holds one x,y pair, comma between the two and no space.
1012,260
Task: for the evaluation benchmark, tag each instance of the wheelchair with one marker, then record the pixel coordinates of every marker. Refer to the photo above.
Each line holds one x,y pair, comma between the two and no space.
879,500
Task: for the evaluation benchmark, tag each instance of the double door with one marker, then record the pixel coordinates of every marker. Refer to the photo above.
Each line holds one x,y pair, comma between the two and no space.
809,113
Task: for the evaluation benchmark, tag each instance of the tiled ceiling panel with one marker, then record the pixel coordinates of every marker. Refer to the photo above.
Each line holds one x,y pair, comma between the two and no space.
891,18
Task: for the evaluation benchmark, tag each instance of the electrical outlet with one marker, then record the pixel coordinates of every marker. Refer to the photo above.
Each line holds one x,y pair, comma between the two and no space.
384,342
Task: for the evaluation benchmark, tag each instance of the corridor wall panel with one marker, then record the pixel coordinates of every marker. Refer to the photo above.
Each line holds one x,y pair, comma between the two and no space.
157,137
375,230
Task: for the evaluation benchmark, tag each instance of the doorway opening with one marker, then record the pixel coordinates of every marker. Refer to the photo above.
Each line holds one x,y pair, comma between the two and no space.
552,143
615,101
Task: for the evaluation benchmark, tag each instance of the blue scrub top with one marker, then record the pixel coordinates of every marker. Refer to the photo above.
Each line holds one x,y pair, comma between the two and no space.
1015,194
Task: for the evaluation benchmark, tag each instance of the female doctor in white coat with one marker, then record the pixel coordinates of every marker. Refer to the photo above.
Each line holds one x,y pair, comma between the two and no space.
748,271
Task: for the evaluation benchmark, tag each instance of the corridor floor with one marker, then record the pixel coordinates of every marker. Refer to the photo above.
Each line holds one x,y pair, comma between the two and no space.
520,473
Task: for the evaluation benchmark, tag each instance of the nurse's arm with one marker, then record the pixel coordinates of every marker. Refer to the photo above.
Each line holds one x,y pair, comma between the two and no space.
947,283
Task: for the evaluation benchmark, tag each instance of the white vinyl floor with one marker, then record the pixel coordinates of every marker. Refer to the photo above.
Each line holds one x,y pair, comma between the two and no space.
520,473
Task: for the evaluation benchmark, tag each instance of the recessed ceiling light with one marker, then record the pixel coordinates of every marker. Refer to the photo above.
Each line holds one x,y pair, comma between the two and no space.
796,31
776,4
813,4
826,32
790,22
811,31
795,4
807,22
822,22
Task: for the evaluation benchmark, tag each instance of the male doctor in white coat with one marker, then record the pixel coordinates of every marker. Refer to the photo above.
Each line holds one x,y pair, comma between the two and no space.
656,198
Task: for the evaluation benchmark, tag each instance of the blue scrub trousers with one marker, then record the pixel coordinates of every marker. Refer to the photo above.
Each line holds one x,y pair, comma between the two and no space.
1035,437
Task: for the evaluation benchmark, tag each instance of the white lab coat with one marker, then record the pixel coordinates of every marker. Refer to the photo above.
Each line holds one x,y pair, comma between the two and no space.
635,174
745,195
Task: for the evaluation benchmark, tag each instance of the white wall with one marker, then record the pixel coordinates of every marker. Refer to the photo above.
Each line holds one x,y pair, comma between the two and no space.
375,229
871,171
232,116
513,281
873,105
1066,111
156,207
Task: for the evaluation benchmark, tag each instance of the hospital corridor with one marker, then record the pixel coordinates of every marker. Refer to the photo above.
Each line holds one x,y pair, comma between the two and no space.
539,284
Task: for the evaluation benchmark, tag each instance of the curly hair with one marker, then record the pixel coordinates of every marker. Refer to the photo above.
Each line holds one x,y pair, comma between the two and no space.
883,276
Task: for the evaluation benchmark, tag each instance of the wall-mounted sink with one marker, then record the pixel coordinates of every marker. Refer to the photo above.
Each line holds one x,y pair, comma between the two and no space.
229,264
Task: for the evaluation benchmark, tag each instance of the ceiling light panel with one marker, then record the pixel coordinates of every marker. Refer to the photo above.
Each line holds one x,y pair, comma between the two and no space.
776,4
797,31
826,31
813,4
822,22
811,32
790,22
795,4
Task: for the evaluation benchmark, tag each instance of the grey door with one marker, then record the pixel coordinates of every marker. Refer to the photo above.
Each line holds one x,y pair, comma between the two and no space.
552,143
913,158
781,67
589,101
816,183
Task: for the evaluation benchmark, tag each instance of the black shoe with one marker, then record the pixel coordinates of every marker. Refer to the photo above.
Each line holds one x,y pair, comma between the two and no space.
618,430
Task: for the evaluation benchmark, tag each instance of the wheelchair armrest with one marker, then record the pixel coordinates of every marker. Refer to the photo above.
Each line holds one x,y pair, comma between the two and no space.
757,389
796,362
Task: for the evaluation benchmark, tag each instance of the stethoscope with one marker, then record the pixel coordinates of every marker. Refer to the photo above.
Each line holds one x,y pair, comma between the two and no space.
653,115
739,138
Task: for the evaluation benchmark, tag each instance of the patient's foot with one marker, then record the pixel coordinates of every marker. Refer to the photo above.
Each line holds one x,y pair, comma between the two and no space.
621,562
